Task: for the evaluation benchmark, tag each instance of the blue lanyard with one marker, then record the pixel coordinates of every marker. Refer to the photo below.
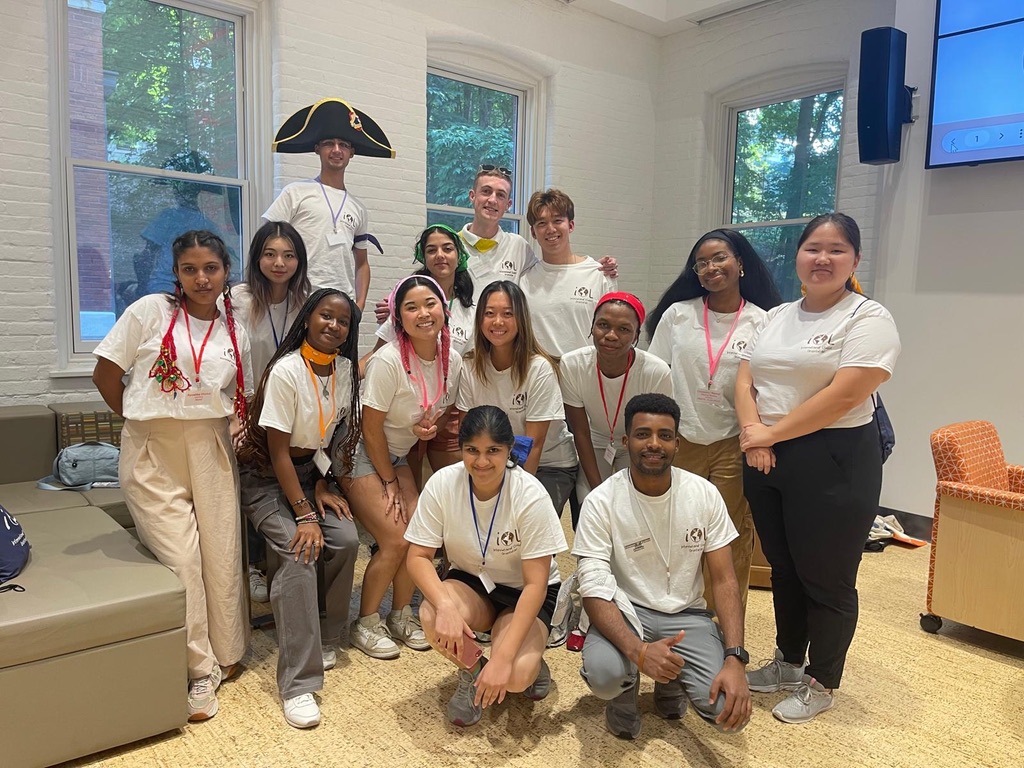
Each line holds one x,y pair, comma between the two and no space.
486,543
284,323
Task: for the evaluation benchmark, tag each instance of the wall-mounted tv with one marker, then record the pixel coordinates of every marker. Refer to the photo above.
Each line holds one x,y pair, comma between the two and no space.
977,106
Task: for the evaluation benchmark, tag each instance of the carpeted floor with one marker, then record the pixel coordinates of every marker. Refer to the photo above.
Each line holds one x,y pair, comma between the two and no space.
909,700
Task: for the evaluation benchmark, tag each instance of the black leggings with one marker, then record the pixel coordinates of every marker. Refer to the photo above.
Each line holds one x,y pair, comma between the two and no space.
813,512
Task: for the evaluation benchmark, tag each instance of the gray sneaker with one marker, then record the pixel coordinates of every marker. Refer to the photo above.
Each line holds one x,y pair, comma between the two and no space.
461,709
540,687
809,700
403,625
669,700
622,715
775,675
371,637
202,697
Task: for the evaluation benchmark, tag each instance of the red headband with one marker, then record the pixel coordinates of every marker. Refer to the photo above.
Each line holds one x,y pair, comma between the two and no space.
628,298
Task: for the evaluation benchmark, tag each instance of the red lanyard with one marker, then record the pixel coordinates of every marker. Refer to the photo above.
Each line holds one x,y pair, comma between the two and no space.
713,359
425,401
319,406
600,386
198,361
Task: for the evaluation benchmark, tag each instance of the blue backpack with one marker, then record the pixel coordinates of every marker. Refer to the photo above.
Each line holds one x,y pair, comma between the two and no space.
14,547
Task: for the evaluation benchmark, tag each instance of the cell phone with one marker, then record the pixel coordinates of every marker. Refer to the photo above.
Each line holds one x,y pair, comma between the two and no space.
470,653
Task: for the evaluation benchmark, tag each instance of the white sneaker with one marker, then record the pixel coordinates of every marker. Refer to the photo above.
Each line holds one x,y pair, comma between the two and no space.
404,626
202,698
258,585
302,711
370,636
330,656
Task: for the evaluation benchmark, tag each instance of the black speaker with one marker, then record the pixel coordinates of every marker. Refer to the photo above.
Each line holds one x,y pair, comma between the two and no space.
883,100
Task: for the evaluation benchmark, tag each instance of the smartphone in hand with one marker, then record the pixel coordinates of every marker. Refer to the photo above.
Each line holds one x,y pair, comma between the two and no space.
470,653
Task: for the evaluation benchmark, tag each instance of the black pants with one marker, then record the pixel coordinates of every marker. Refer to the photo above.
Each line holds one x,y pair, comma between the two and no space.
812,513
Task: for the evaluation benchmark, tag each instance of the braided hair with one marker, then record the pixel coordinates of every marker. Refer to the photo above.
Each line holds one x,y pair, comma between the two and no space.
254,449
165,370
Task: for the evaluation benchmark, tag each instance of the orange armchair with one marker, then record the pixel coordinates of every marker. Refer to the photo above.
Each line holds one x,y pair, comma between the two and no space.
977,557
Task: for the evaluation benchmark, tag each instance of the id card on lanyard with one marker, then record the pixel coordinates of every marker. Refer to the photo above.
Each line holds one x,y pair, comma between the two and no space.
320,458
485,543
609,452
197,394
711,396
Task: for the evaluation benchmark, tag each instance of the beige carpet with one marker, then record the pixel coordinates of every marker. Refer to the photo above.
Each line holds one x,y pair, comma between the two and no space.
909,700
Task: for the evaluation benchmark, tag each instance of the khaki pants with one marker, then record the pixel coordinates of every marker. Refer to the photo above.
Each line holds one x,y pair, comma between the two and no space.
180,482
722,464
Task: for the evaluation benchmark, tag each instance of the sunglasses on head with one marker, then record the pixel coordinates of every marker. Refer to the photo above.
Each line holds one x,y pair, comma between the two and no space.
507,173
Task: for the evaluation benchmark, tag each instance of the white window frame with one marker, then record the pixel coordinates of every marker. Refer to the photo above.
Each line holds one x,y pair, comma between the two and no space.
479,66
74,356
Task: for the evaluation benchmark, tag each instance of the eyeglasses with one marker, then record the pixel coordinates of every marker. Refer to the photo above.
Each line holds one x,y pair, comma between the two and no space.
716,261
506,172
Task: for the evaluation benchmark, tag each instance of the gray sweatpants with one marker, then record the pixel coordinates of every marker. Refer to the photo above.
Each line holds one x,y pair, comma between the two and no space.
608,672
293,591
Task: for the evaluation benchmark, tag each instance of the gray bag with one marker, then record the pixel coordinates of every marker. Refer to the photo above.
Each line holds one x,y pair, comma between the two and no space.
82,467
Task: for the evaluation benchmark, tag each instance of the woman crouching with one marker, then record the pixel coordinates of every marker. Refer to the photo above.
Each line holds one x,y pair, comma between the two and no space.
500,532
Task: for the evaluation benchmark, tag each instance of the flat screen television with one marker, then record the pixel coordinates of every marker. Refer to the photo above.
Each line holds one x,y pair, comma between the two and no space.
977,105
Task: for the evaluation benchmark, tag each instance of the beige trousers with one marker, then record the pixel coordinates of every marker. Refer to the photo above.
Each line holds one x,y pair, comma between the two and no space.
722,464
180,481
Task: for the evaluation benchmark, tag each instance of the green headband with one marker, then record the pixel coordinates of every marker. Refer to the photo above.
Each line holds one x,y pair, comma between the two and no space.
456,238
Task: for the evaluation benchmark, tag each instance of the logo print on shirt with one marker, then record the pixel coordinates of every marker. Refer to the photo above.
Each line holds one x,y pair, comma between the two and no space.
819,343
350,219
518,402
508,267
506,542
582,292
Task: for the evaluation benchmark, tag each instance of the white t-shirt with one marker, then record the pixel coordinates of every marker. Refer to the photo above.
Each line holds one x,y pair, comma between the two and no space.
580,390
388,388
328,248
293,403
562,300
679,340
537,399
133,344
461,324
508,260
795,354
525,525
264,336
635,534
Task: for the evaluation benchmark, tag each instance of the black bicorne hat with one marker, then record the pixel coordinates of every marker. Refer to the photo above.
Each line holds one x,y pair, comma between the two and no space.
332,118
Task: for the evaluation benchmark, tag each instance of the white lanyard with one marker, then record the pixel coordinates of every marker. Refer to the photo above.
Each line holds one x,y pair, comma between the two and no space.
638,509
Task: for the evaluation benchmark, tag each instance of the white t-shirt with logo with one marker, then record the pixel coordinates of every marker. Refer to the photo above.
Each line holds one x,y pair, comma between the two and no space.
525,525
388,388
679,340
133,344
302,204
294,402
562,300
580,389
635,535
461,324
539,398
795,354
507,260
262,333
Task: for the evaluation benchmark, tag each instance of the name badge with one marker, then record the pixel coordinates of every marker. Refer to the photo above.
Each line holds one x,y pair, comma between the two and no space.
609,455
487,581
637,547
709,396
322,461
334,239
197,396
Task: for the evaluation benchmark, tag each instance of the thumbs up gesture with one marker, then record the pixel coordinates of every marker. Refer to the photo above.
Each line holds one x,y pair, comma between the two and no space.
659,659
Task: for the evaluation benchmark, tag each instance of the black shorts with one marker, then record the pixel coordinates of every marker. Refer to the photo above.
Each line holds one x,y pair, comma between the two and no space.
506,597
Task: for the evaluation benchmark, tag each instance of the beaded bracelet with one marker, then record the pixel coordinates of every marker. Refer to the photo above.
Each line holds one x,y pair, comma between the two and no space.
310,518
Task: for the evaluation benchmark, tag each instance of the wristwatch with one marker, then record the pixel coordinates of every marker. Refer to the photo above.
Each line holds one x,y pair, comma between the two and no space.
739,652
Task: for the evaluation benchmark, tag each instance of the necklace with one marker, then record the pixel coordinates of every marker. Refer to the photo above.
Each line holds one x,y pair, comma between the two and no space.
325,382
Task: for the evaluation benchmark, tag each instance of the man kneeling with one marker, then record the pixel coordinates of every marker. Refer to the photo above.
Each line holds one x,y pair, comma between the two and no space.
640,540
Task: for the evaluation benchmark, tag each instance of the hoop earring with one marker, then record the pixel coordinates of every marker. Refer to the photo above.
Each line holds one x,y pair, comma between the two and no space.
510,463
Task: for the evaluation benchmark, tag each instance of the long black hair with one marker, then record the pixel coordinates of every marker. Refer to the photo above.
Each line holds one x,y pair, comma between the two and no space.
259,284
254,447
463,285
756,285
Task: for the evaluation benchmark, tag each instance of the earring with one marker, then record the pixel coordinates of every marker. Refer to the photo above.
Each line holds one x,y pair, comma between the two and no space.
741,272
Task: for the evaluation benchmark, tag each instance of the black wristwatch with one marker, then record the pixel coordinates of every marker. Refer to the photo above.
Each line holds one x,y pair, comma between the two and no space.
739,652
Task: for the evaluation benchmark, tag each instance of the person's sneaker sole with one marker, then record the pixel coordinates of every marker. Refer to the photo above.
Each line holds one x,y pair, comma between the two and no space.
800,720
380,655
790,687
198,717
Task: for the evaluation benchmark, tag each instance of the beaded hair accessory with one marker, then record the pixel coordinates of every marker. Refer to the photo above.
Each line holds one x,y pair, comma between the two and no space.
165,369
404,343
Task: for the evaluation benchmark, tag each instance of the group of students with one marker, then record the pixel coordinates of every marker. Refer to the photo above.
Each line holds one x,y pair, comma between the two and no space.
514,391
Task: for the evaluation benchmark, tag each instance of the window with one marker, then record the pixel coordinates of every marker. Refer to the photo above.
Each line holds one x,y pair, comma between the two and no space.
153,146
471,122
784,172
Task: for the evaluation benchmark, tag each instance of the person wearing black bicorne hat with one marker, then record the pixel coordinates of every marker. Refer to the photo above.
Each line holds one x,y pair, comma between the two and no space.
333,223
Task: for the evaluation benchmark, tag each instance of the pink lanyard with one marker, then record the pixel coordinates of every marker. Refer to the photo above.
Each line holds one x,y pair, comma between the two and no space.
425,402
197,361
713,359
600,386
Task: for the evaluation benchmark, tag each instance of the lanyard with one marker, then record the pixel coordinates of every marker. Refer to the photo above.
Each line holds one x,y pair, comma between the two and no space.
638,509
284,323
713,360
334,216
319,407
425,402
486,543
198,361
600,386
